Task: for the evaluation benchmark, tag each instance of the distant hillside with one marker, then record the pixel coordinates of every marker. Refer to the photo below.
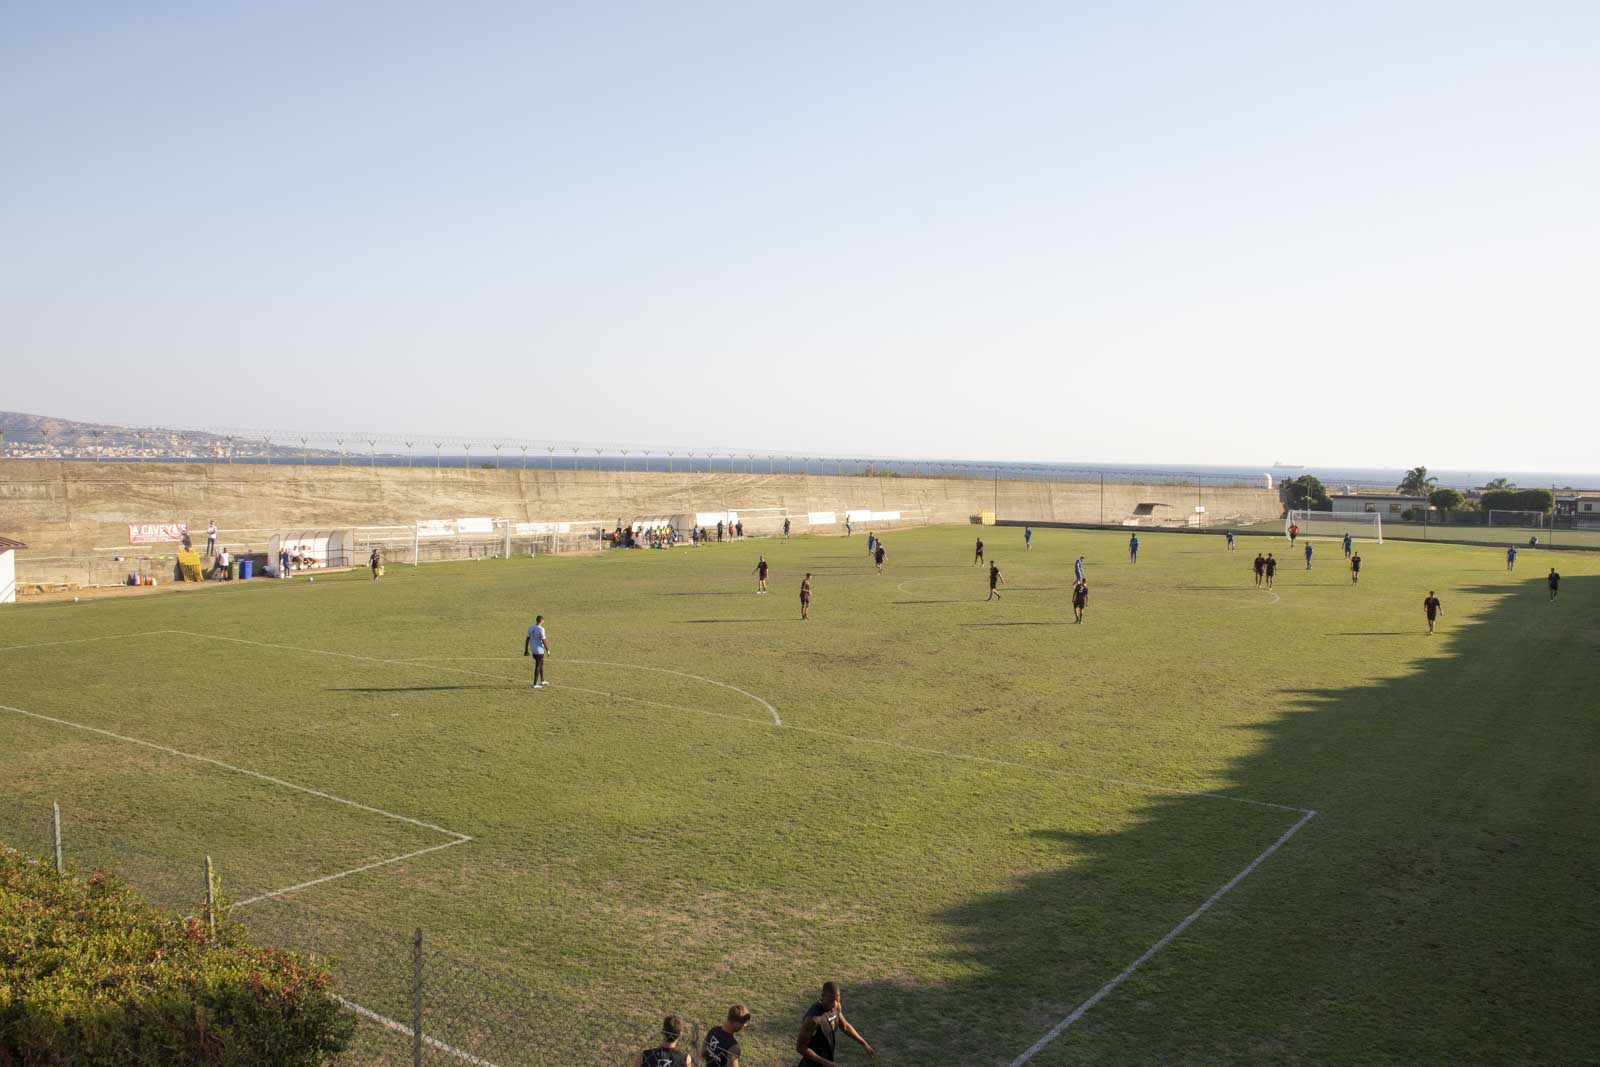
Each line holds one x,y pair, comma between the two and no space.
46,436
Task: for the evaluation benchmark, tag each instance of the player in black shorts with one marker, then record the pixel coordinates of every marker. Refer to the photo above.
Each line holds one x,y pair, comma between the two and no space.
1261,569
819,1030
805,598
1272,569
995,580
1355,568
1555,583
721,1047
977,556
1432,609
1080,599
878,557
761,575
666,1054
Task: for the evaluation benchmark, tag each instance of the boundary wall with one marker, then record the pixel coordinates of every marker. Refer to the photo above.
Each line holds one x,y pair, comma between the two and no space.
75,515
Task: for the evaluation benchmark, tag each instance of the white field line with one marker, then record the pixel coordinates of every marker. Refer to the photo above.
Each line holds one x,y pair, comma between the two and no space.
433,664
345,874
1171,935
456,838
988,761
776,719
82,640
401,1028
1306,814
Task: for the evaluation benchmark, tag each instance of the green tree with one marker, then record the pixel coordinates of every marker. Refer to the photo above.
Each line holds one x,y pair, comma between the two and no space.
1416,482
1307,493
1501,483
1446,499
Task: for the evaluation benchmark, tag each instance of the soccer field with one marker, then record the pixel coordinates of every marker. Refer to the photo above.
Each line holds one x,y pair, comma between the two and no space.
1346,841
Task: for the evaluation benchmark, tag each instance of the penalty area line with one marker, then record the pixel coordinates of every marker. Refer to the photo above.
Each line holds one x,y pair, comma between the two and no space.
1082,1009
456,838
401,1028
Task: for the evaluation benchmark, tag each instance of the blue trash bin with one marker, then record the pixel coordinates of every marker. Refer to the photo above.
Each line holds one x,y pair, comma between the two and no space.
247,569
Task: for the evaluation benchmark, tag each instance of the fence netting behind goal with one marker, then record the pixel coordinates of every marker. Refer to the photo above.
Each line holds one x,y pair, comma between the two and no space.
1361,526
1519,520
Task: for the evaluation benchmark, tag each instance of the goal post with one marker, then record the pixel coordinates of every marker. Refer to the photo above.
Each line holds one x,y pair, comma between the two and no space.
1364,526
1521,520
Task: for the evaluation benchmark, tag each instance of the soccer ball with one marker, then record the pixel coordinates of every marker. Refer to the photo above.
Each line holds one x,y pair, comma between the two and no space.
74,600
310,579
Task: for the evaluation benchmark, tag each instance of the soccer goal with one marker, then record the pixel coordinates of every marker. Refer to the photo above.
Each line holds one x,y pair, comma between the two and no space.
1520,520
1363,525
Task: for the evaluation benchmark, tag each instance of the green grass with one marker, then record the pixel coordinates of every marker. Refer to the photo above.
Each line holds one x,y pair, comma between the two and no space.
974,815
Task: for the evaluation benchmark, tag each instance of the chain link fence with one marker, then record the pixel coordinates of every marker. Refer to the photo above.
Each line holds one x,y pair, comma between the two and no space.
413,999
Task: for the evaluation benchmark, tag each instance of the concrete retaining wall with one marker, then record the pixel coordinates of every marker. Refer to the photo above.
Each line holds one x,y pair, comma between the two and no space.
71,513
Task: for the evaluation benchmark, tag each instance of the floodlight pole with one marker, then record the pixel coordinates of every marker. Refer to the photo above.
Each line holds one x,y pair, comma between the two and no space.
524,456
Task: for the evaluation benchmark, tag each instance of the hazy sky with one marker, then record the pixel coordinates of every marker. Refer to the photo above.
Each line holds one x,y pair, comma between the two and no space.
1186,233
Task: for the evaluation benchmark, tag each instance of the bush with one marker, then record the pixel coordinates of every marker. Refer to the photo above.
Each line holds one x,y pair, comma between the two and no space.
92,975
1307,493
1517,500
1445,499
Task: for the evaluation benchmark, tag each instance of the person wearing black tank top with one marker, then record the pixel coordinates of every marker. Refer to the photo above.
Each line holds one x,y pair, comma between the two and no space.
721,1048
667,1054
820,1028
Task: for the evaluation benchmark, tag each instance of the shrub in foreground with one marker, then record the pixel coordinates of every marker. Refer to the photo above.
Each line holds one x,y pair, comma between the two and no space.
91,975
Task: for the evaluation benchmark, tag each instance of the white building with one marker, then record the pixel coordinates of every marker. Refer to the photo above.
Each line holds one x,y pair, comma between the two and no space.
8,569
1389,505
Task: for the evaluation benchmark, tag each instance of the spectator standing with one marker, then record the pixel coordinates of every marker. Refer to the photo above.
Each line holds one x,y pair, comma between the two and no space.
211,538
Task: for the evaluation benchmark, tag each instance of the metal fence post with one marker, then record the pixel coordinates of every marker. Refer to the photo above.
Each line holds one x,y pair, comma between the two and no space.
56,835
211,896
416,998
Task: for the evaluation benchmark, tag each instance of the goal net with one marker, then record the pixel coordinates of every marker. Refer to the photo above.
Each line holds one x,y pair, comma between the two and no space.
1362,525
1521,520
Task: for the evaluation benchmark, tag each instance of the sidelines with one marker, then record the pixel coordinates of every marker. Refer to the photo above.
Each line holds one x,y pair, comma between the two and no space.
401,1028
1171,935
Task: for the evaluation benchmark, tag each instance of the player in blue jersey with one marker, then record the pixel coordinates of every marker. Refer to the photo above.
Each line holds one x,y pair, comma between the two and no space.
537,645
1511,558
1230,540
1133,549
1027,538
1347,546
1308,555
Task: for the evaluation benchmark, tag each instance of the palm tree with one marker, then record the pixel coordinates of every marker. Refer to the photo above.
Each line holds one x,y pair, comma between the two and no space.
1417,482
1501,483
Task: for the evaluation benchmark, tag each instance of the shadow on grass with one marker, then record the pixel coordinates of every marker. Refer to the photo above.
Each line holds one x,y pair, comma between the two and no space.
1063,623
741,622
1439,909
419,688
